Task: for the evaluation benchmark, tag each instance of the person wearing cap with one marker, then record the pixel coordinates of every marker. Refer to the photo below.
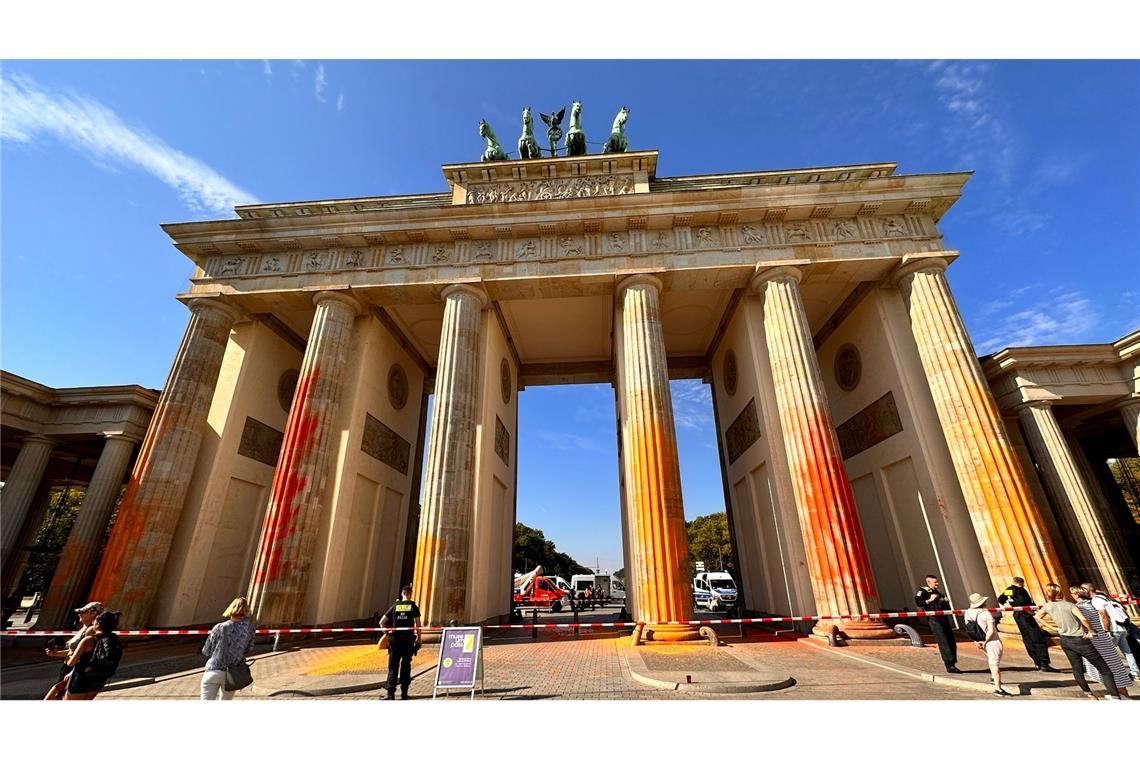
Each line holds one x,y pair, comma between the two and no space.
991,643
87,614
931,599
1015,595
403,643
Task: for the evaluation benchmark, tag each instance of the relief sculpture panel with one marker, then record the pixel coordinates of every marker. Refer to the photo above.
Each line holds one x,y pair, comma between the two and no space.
874,424
743,432
551,189
384,444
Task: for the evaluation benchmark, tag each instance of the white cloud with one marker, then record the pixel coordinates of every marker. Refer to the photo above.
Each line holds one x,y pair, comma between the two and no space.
692,404
93,129
320,83
340,102
1056,317
974,124
568,441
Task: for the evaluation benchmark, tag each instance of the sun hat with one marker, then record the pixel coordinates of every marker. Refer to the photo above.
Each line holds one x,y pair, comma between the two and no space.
977,600
96,607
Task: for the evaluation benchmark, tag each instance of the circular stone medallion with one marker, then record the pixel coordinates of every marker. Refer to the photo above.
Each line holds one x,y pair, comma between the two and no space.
505,381
397,386
848,367
286,387
730,372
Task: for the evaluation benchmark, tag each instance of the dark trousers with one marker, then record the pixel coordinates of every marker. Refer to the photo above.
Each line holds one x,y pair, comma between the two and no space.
1076,647
1033,637
944,635
400,651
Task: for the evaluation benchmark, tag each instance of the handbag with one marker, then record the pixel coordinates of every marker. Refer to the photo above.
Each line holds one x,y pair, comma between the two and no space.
383,643
237,675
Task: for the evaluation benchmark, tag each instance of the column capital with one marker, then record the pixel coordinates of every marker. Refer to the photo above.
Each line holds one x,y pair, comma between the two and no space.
651,280
1037,403
120,435
914,266
214,303
793,273
1127,402
471,290
339,297
39,438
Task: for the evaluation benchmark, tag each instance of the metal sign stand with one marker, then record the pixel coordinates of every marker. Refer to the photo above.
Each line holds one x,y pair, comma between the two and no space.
480,675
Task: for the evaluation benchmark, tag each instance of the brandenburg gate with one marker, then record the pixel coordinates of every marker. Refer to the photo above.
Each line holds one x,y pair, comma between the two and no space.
861,446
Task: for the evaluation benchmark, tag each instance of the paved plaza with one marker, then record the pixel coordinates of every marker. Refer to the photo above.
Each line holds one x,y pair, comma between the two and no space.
559,665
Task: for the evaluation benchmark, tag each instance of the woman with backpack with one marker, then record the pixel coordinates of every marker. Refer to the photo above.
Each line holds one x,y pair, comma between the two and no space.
1102,640
96,658
982,628
87,614
226,647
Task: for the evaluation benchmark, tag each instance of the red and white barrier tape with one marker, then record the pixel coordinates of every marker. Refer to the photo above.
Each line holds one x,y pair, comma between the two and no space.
708,621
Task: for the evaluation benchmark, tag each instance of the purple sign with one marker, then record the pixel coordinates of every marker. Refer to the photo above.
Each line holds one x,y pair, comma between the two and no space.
458,657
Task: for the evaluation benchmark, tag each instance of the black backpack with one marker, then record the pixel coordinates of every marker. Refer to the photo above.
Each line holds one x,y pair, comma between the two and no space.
105,656
974,631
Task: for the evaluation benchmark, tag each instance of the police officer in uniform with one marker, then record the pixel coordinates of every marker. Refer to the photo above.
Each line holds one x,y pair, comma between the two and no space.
1016,596
931,599
403,644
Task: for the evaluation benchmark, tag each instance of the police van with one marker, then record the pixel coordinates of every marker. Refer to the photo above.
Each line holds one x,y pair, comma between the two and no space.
715,591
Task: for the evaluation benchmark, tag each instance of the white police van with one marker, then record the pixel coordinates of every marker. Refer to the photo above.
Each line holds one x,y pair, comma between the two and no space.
714,591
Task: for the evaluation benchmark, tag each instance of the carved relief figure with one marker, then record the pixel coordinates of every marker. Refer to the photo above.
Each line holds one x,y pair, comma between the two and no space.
527,249
440,254
314,261
570,247
353,258
396,255
271,264
706,237
617,243
661,240
753,235
482,251
494,151
617,142
528,146
797,232
575,136
892,227
843,229
231,266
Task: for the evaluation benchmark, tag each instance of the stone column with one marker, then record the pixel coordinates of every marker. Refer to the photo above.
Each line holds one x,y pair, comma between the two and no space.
292,520
86,537
1009,526
658,545
15,563
841,577
23,482
1072,497
1130,411
135,557
443,545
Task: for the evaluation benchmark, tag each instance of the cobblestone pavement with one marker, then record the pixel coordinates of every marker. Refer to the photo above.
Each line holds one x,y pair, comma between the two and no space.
557,666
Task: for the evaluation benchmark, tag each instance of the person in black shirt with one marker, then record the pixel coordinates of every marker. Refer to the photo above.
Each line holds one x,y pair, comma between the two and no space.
403,644
931,599
1016,596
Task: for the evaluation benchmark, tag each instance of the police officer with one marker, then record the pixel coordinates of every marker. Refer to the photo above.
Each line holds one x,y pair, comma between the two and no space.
931,599
1016,596
402,644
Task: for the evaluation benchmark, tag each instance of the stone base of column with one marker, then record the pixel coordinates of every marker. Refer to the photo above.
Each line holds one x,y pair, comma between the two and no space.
670,634
856,630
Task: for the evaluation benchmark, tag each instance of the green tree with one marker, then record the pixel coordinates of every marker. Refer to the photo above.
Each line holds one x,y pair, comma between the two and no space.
533,548
709,542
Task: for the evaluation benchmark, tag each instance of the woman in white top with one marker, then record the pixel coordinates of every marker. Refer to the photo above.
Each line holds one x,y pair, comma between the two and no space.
991,644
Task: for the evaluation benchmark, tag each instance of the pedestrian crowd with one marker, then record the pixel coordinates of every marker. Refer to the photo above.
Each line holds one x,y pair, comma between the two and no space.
1096,634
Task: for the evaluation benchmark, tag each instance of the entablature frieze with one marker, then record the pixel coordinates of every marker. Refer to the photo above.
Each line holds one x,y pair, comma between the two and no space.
393,251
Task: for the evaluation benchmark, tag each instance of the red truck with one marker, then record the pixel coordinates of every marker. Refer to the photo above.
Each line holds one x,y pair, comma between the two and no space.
536,590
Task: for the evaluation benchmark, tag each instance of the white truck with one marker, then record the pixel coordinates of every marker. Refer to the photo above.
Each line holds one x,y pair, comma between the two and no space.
600,582
715,591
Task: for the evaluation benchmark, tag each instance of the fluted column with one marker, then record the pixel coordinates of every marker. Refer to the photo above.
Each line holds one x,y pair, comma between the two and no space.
1130,411
23,482
1011,532
135,557
443,544
299,495
658,545
15,563
841,577
1072,496
86,538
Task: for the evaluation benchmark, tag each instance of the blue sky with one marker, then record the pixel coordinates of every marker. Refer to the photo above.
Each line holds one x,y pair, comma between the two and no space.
95,155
